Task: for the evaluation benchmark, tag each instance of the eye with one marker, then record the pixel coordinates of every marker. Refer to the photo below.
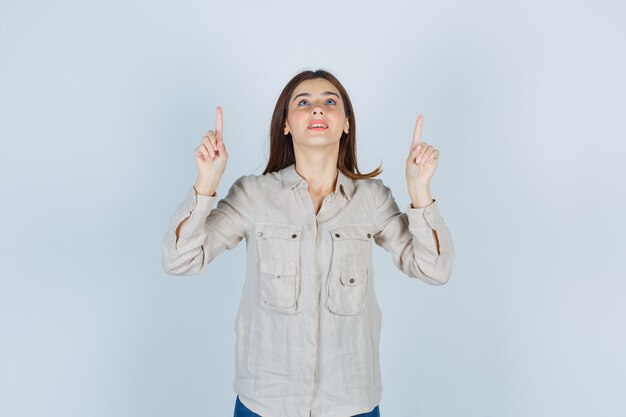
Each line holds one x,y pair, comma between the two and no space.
327,100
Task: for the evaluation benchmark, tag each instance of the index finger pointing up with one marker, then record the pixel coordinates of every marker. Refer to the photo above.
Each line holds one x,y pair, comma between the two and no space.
218,123
417,133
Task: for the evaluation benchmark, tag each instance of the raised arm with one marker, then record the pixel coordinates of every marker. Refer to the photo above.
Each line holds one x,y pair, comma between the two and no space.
197,232
419,240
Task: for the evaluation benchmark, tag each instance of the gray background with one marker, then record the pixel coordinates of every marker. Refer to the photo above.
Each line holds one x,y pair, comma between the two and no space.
103,103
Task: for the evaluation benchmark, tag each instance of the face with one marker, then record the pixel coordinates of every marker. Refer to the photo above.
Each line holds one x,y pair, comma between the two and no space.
316,101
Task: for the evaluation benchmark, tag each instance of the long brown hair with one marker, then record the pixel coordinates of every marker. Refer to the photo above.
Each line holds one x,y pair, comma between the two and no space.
281,146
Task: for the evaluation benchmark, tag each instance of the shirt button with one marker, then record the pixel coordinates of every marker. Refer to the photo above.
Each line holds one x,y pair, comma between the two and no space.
337,235
259,234
294,236
351,280
369,235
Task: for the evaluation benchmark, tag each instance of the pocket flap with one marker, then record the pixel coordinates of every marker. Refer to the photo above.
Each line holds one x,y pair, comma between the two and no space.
277,267
265,230
353,277
352,231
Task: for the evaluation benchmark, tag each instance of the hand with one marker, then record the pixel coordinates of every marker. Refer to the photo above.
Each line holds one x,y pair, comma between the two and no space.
211,155
422,160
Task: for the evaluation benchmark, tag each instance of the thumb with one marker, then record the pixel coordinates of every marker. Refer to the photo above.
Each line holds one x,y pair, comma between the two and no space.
414,152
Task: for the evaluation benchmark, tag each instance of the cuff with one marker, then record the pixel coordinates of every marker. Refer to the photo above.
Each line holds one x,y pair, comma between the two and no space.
198,205
204,202
424,219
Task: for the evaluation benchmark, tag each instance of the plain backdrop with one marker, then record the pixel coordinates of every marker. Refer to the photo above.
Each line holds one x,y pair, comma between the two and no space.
103,103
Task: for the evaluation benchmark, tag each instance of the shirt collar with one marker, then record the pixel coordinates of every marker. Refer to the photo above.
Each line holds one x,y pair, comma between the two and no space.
291,178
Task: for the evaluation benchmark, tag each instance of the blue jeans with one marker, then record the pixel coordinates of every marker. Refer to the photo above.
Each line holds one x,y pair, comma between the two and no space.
243,411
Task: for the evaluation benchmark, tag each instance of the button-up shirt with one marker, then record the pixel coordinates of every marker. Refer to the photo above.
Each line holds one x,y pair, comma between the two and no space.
308,324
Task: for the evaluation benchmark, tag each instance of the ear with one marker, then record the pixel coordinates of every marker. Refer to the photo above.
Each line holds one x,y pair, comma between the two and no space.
346,126
286,130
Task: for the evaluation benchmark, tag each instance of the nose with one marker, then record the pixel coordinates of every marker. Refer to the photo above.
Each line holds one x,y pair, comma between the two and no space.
317,110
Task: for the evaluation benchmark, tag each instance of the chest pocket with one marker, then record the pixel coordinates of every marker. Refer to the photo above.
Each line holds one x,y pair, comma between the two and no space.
278,248
350,273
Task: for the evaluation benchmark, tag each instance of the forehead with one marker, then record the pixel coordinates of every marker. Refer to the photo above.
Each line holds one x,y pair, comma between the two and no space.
315,87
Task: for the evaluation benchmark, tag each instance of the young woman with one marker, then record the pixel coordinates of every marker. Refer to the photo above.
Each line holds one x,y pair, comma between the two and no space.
308,324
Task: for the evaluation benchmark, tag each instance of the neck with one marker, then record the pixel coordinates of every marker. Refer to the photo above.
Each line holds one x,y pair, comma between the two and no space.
321,178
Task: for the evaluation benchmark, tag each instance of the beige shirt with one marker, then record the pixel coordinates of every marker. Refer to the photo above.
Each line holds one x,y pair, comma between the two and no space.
308,324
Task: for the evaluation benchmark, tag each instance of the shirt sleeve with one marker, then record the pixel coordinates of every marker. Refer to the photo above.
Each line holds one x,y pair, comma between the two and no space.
410,239
207,232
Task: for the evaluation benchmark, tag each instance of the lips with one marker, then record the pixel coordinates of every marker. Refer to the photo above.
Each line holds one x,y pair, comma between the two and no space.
318,124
